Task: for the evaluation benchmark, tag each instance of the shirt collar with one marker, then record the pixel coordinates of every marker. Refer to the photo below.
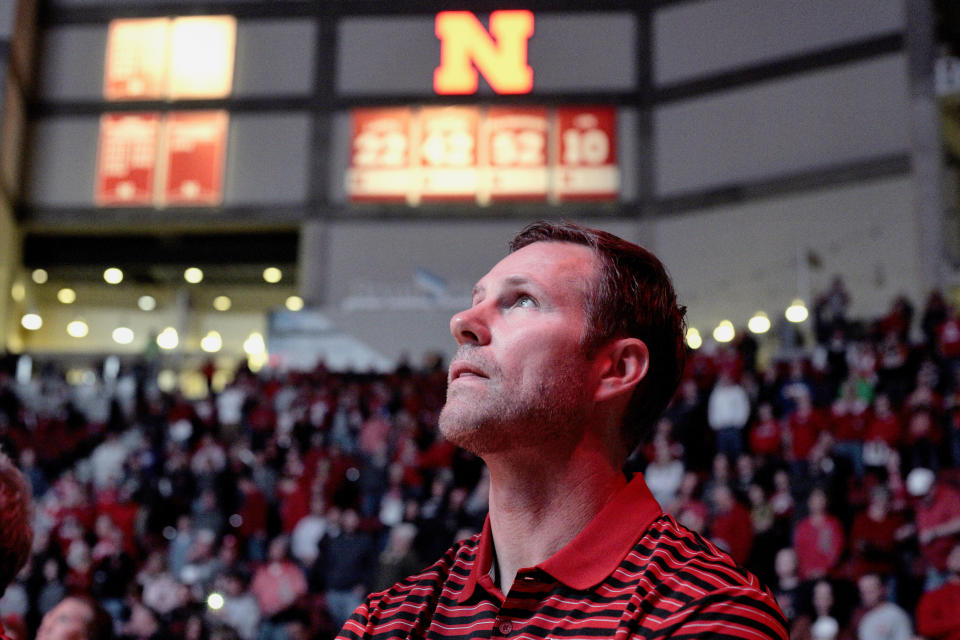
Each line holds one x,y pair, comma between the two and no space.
595,552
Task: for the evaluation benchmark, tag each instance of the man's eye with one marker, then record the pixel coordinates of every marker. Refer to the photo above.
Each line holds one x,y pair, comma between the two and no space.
525,301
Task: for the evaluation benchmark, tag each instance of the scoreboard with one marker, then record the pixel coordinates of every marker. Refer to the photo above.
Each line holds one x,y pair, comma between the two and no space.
405,153
482,155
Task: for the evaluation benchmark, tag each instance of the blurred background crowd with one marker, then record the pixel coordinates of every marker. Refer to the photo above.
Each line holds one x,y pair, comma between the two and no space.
269,509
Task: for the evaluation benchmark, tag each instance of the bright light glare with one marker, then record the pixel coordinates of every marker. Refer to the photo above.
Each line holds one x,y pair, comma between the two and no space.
294,303
147,303
167,380
254,344
212,342
215,601
18,292
31,321
694,341
193,275
797,311
759,323
77,329
222,303
724,331
168,338
272,275
67,295
39,275
113,275
123,335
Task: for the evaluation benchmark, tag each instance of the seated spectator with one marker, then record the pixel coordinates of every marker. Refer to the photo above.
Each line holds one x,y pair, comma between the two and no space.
923,439
346,563
938,613
937,511
306,536
240,610
884,432
788,589
875,536
278,583
664,474
76,618
849,414
819,539
803,429
729,526
398,559
728,410
878,617
766,436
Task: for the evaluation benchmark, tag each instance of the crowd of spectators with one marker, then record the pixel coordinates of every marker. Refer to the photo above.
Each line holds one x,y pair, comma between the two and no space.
268,509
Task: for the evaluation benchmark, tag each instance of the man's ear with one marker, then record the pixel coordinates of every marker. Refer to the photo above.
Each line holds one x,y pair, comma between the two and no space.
624,364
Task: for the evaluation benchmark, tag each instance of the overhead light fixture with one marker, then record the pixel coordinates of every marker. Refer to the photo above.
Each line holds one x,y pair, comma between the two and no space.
67,295
222,303
724,331
77,329
168,339
294,303
123,335
254,344
193,275
147,303
797,311
31,321
113,275
759,323
212,342
40,276
272,275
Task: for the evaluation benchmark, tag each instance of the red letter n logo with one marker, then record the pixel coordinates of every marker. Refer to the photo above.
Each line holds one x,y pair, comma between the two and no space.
501,55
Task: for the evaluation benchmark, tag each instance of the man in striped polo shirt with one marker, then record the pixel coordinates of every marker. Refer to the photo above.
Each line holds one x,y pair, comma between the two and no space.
570,350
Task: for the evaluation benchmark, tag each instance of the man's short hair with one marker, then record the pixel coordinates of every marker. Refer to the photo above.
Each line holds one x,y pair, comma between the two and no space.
634,297
16,532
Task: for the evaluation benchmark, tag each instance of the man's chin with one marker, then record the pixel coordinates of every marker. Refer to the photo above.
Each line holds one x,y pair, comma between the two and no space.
466,431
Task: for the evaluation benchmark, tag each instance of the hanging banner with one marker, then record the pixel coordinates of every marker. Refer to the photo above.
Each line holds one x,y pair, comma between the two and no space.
126,159
136,61
380,155
201,56
587,154
448,153
515,141
196,144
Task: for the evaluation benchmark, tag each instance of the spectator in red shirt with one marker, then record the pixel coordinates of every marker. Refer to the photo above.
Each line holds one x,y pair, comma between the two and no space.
819,539
884,432
938,521
938,613
803,430
875,535
279,582
16,533
730,526
948,338
849,414
766,437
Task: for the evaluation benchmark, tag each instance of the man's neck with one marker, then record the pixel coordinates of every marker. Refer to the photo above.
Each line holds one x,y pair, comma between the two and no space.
539,506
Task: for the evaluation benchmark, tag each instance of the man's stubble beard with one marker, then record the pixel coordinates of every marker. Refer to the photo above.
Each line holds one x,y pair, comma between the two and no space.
496,419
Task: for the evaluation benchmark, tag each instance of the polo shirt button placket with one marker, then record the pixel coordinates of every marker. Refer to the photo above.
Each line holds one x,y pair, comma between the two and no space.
504,626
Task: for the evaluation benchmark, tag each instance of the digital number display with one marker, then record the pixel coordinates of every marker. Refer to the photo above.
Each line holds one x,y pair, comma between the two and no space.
437,154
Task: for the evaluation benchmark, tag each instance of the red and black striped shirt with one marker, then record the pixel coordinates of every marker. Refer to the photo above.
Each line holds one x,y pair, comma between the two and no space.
631,572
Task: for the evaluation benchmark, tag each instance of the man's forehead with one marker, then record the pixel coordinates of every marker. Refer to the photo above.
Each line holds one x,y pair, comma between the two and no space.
545,261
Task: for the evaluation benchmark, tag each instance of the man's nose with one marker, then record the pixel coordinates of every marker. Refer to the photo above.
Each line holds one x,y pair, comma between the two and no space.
469,327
